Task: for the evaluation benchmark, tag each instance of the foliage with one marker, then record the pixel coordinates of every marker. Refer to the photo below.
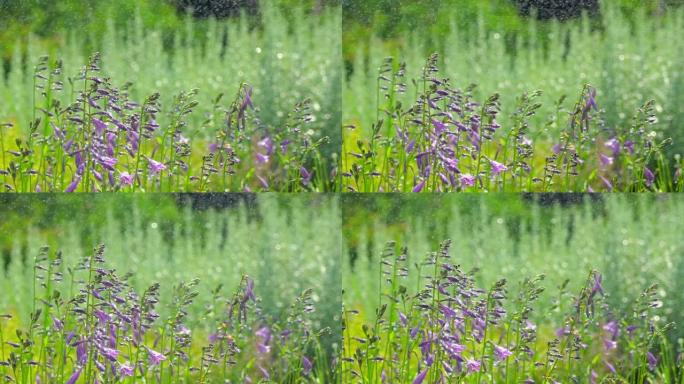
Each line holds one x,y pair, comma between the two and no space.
104,141
275,240
628,58
447,328
635,237
287,58
448,141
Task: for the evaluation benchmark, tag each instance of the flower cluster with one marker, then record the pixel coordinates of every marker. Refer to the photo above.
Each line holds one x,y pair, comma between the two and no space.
451,330
103,141
105,332
447,141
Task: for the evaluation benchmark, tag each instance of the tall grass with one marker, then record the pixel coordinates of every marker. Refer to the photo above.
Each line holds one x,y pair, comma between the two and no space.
629,59
285,58
285,246
634,240
449,328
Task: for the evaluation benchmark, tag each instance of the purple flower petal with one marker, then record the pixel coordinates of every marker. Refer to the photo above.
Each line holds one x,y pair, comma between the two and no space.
420,377
74,376
649,177
418,187
74,184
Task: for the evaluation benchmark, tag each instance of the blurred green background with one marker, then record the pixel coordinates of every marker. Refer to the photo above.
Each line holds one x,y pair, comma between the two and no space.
391,20
47,19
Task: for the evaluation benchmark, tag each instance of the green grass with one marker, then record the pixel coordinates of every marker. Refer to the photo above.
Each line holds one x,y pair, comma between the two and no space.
629,58
286,244
634,240
285,57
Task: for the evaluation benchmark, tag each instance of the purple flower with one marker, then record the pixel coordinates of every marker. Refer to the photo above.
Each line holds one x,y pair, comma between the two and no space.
102,316
100,126
597,288
497,167
473,365
612,328
591,99
261,158
267,144
403,319
420,377
467,180
249,291
454,349
126,178
560,332
75,375
155,357
126,369
306,175
501,353
414,332
264,373
110,353
605,160
107,162
283,145
614,145
306,366
610,367
629,146
57,324
607,183
652,360
155,166
74,184
264,335
418,187
439,126
448,312
556,149
609,344
262,181
248,99
67,146
649,176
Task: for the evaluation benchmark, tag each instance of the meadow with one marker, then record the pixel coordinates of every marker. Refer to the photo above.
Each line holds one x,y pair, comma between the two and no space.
288,63
186,274
631,241
524,90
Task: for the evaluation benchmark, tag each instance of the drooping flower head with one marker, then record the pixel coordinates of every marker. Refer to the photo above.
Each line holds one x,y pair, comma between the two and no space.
501,353
649,177
155,357
497,167
472,365
155,166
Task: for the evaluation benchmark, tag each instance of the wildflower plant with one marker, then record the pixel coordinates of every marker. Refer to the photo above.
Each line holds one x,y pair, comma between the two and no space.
104,141
449,141
88,325
449,329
